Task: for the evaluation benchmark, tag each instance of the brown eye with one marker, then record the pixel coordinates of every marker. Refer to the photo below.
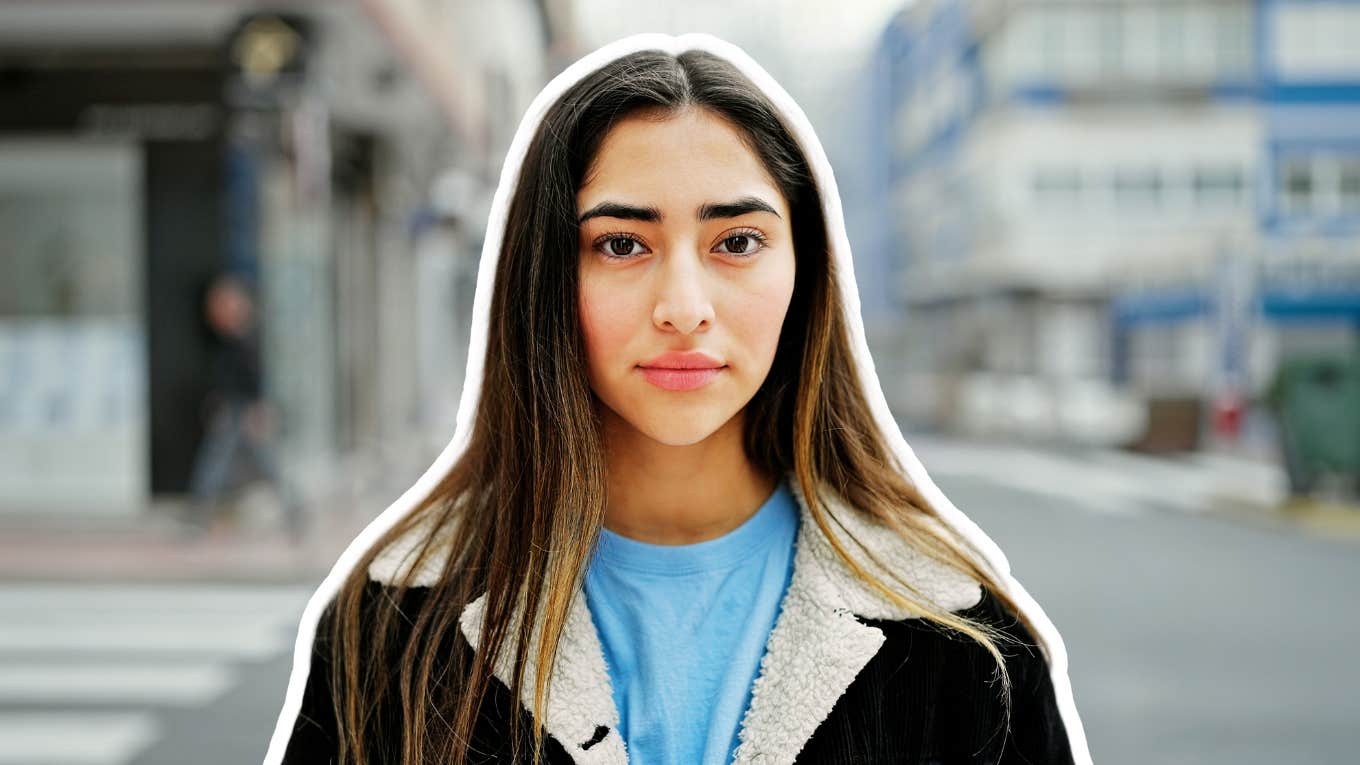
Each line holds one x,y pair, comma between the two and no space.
744,243
618,246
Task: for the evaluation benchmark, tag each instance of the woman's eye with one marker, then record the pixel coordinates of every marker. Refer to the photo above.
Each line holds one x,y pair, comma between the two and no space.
745,243
616,246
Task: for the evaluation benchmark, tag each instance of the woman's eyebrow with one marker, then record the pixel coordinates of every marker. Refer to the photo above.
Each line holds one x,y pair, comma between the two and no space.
620,210
707,211
733,209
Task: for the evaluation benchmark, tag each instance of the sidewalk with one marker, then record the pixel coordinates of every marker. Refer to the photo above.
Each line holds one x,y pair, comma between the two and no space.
247,543
1241,488
1256,491
155,549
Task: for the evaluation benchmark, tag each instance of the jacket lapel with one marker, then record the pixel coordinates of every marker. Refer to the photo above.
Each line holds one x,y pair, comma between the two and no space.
813,654
817,646
581,697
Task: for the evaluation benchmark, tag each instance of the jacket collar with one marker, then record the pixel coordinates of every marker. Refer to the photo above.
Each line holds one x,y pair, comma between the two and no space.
814,652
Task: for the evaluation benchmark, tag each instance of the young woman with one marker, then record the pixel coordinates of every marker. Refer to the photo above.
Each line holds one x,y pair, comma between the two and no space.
677,522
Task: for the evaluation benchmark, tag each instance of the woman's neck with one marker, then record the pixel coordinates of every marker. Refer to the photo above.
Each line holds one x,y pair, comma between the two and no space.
673,495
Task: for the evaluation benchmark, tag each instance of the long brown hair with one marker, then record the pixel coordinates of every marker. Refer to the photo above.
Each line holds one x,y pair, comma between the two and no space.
518,514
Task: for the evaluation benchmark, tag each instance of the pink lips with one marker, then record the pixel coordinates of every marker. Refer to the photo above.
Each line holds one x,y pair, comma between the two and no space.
681,370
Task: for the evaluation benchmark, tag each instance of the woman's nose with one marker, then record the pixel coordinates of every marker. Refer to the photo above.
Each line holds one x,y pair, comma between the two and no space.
683,303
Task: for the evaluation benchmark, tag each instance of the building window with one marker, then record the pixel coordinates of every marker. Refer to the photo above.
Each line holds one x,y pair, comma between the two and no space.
1111,42
1198,43
1141,187
1218,185
1232,42
1081,57
1316,41
1140,42
1321,185
1052,44
1057,188
1349,180
1172,54
1022,46
1297,186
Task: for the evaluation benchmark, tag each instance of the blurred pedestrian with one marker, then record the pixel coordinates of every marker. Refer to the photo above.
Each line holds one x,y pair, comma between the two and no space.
240,422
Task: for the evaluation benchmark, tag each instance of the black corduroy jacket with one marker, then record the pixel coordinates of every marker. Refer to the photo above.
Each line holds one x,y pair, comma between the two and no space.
846,678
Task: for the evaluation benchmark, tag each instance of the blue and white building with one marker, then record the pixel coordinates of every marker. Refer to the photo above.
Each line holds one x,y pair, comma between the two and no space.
1095,203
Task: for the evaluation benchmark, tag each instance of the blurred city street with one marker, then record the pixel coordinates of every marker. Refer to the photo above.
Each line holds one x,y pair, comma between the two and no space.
1191,639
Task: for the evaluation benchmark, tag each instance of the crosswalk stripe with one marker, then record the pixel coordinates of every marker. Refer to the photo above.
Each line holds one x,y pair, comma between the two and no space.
75,738
161,683
63,596
1111,480
89,672
1156,481
99,620
1095,490
244,640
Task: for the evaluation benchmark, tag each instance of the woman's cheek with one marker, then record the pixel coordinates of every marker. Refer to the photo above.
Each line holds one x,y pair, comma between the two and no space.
766,307
768,319
605,325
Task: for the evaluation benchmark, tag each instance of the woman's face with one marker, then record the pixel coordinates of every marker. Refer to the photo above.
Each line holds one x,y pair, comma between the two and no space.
685,246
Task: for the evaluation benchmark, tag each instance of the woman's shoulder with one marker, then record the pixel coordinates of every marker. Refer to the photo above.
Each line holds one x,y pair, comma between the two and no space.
994,611
373,597
417,555
316,729
891,555
950,683
990,610
961,667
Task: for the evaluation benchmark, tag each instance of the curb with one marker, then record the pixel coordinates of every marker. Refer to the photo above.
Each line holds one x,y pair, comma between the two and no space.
1334,520
163,554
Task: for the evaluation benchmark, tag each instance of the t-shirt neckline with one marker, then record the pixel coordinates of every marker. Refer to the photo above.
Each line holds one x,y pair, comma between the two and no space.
726,551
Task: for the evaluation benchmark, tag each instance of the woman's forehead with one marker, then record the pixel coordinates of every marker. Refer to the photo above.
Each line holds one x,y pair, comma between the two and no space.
676,165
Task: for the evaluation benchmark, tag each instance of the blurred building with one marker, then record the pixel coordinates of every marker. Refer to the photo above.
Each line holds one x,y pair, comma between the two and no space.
341,154
1102,211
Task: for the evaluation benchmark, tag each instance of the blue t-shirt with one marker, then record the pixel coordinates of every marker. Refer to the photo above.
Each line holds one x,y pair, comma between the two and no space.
684,629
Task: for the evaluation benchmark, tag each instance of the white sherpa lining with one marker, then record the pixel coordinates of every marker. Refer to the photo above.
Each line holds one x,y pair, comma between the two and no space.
814,671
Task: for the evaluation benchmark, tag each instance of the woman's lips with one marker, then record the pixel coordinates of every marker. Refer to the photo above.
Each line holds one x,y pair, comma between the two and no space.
679,379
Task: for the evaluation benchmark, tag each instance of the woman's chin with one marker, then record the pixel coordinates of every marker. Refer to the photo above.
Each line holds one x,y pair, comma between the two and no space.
668,423
687,430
